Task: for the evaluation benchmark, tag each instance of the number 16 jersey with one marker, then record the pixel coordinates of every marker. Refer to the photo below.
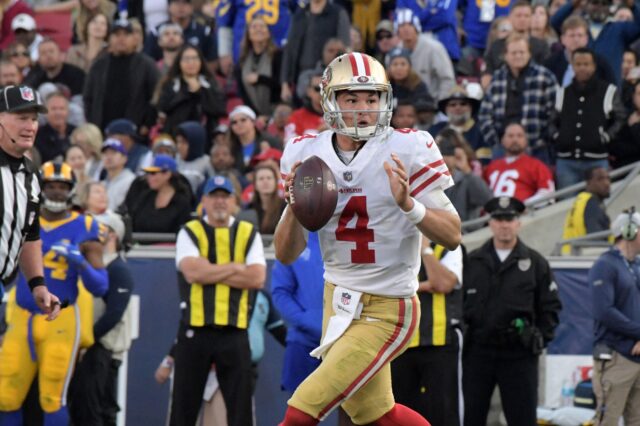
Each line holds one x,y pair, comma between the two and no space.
368,245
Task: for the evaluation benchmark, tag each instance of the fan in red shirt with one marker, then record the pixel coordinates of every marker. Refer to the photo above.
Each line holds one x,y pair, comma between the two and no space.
309,119
11,8
518,174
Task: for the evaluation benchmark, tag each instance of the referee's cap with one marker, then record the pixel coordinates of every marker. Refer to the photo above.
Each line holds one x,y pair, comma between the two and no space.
15,99
504,207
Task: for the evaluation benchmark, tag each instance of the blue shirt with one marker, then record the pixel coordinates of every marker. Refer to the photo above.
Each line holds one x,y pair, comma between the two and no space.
615,284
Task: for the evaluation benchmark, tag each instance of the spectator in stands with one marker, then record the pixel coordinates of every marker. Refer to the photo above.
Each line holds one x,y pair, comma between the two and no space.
520,91
194,33
93,198
89,138
307,119
87,10
95,43
518,174
626,149
217,337
508,326
333,48
297,293
118,178
386,40
405,82
438,18
246,140
277,124
427,111
608,38
9,73
588,115
311,27
461,110
588,214
164,144
163,202
95,382
19,55
189,92
138,34
266,201
630,74
24,30
520,19
222,163
11,9
405,115
429,58
192,160
138,155
613,280
53,138
499,29
575,35
75,157
258,70
357,42
121,84
170,40
427,377
470,193
541,27
52,68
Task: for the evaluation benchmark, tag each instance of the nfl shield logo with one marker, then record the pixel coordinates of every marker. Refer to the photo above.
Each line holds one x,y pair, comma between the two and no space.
346,298
347,176
27,94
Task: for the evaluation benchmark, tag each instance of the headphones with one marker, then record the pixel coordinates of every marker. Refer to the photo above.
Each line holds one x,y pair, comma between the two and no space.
630,228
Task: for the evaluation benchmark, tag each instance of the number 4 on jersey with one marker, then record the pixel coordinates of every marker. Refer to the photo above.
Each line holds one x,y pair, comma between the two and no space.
360,234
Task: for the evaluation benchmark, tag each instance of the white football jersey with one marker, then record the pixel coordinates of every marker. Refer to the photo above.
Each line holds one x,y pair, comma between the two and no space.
369,245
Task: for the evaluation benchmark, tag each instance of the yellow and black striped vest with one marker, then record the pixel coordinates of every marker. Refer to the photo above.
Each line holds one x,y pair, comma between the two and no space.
440,313
217,304
574,225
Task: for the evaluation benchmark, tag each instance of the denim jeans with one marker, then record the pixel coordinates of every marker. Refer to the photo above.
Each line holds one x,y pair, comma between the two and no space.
569,172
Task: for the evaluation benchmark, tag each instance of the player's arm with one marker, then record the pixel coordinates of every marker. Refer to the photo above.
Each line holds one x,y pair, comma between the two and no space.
31,266
91,268
289,239
437,221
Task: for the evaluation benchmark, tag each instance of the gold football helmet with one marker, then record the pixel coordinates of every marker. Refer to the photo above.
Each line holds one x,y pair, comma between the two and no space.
54,171
355,71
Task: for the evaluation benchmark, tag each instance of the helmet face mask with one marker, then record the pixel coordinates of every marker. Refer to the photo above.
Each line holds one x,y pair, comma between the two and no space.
356,72
57,172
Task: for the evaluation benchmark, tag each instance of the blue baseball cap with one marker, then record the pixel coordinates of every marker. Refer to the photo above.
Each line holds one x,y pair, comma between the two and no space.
162,163
121,126
218,182
114,144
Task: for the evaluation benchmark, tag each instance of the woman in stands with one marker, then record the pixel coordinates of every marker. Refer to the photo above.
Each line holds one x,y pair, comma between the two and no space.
189,92
267,201
405,82
89,138
92,198
258,70
76,158
93,42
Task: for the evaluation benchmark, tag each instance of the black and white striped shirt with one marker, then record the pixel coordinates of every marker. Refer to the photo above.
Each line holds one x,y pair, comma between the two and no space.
19,210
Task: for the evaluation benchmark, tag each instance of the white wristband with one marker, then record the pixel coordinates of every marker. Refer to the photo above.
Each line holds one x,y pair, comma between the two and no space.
417,213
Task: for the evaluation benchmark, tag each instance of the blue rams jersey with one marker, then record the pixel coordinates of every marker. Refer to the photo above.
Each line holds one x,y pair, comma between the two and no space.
59,277
476,30
235,14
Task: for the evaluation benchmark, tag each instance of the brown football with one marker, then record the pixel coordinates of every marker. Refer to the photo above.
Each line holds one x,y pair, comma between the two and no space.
314,193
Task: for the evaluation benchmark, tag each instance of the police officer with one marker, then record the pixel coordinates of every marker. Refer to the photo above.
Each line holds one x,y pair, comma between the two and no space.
511,308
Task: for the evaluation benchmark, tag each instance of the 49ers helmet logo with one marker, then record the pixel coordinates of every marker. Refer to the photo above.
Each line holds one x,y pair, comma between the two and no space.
363,79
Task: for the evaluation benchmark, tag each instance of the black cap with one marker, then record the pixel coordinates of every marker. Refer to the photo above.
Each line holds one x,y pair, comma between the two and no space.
20,98
505,207
446,146
122,24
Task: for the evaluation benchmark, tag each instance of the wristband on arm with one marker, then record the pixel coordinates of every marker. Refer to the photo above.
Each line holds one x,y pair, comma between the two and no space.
36,282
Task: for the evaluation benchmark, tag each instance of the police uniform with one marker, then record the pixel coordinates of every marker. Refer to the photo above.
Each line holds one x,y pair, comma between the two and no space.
426,377
511,310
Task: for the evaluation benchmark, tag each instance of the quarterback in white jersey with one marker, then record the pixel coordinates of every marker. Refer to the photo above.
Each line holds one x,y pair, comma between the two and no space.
391,188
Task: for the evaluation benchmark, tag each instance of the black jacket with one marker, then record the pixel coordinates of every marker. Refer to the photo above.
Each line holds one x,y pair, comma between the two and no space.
497,293
585,119
180,105
144,77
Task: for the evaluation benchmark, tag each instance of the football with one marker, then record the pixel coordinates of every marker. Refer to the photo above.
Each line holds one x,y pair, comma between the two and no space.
314,194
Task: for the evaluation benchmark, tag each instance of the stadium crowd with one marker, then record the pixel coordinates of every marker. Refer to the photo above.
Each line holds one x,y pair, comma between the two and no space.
149,100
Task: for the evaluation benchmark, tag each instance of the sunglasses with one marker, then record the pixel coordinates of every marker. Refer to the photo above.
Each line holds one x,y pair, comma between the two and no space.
239,120
22,53
316,88
383,36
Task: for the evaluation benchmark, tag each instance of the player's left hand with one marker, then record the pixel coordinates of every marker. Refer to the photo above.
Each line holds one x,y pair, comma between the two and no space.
70,251
399,183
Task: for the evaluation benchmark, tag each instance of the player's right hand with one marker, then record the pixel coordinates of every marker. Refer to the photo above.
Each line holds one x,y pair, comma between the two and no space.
288,182
48,303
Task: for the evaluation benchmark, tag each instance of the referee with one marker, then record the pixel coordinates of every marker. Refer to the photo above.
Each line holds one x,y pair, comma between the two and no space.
20,244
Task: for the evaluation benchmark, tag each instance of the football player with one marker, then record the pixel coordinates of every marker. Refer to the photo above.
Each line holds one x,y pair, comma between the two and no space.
71,247
390,189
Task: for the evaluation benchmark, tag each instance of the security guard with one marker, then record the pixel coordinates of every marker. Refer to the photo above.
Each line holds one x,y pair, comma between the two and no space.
511,309
219,261
426,378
